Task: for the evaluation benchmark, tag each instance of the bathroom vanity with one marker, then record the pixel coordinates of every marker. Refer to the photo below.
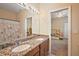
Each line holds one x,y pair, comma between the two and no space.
38,46
40,50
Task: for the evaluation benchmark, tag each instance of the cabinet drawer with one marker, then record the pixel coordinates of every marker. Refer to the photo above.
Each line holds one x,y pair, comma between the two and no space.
33,52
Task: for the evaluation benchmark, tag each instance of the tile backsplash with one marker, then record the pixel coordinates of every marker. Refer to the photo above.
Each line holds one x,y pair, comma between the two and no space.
9,30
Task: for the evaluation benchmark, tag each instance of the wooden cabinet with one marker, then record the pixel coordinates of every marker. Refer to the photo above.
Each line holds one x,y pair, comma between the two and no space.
44,48
40,50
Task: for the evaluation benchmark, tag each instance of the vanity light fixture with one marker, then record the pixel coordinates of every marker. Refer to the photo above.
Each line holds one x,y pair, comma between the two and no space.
29,7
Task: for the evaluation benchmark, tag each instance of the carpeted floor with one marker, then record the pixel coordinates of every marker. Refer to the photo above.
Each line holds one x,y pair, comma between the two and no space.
59,47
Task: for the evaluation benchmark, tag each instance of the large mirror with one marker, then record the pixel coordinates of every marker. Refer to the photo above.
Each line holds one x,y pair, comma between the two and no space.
17,22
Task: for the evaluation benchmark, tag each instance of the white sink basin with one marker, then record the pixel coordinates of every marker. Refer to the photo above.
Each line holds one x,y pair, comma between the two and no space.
21,48
39,39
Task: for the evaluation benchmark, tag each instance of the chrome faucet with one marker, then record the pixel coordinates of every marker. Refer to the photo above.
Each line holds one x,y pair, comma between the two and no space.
17,42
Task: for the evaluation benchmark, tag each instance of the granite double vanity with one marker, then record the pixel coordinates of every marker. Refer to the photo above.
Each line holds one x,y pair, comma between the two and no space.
37,45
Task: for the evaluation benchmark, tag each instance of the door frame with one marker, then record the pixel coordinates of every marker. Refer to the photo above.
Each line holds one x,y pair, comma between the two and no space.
69,28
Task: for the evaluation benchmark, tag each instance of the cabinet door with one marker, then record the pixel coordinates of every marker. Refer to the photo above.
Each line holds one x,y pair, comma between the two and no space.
44,48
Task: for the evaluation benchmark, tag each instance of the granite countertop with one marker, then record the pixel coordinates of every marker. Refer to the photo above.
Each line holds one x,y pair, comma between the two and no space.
32,41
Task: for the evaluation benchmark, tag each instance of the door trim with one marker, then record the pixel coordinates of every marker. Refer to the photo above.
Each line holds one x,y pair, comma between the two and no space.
69,28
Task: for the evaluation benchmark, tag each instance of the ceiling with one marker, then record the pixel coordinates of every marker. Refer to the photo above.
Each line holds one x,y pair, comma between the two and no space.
14,7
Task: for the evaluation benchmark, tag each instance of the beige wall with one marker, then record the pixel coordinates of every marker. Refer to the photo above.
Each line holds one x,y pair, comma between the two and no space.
35,5
35,18
35,24
44,22
7,14
58,24
75,29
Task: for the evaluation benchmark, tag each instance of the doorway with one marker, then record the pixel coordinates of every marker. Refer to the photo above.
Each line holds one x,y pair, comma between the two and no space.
60,34
29,26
